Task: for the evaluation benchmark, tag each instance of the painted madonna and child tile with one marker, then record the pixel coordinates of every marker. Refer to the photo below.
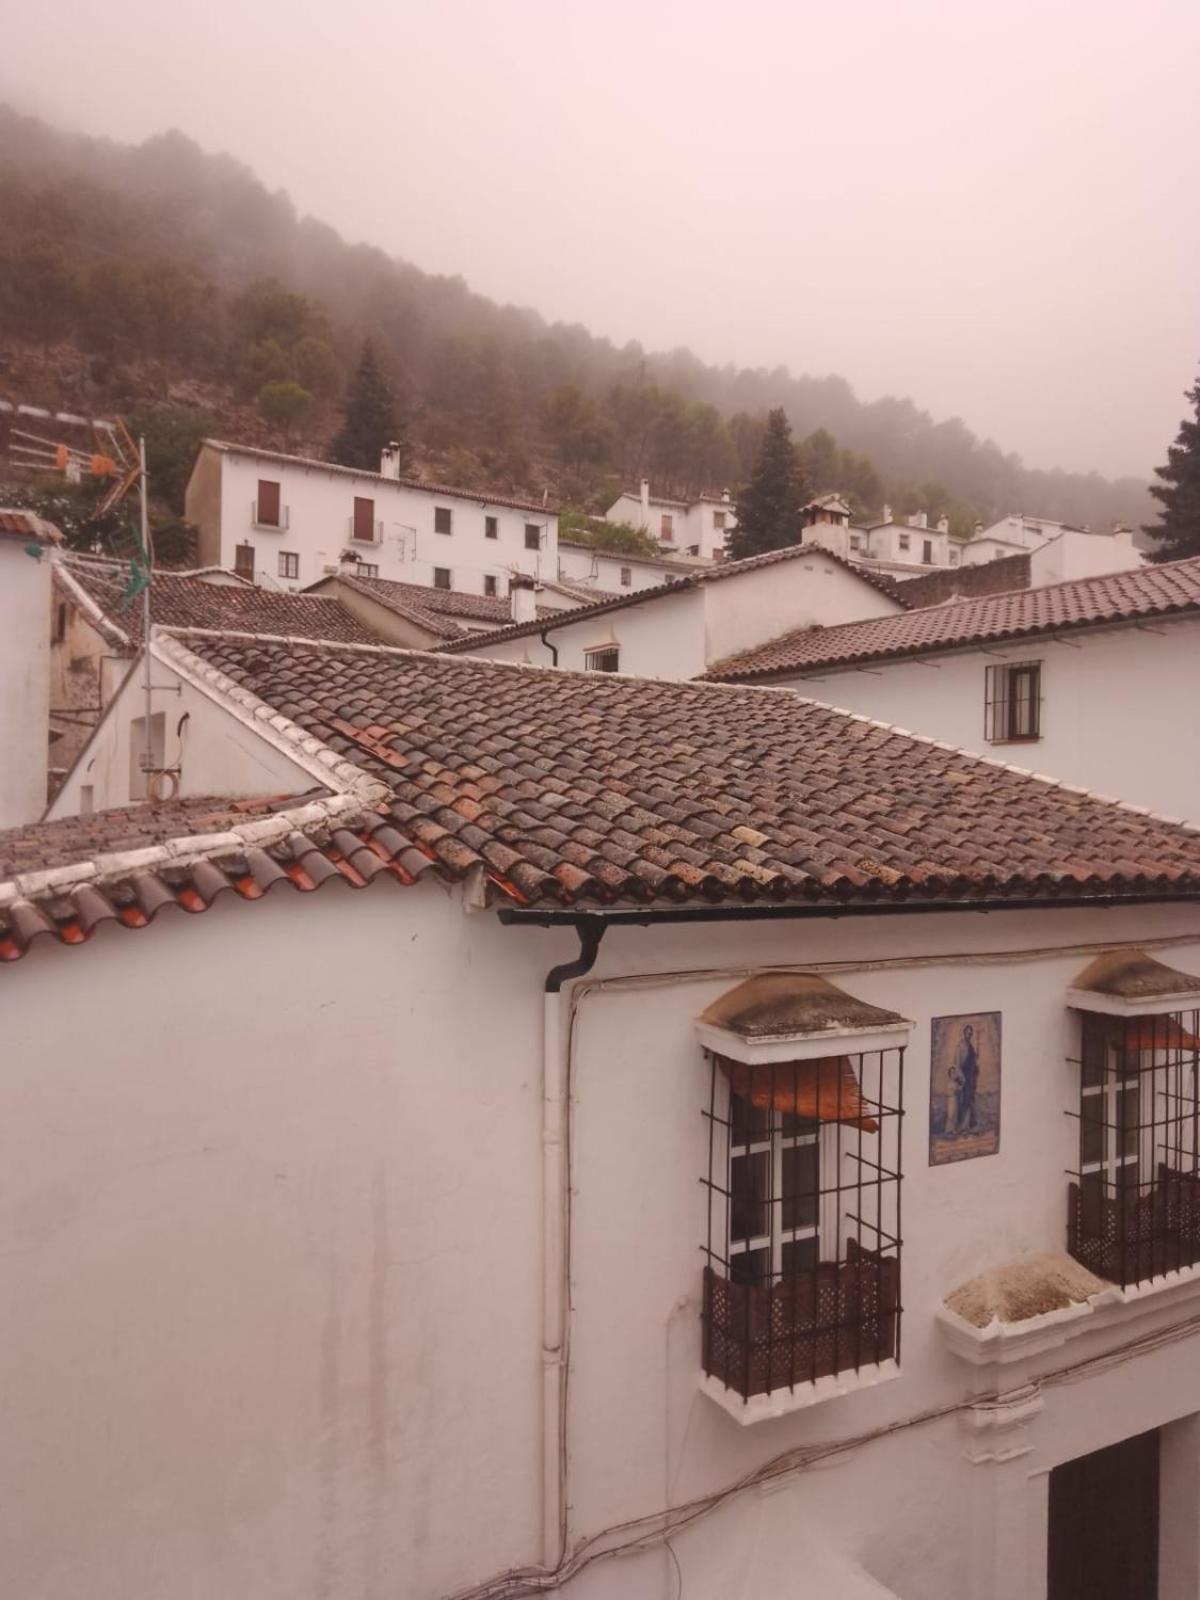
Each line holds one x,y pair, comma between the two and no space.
964,1087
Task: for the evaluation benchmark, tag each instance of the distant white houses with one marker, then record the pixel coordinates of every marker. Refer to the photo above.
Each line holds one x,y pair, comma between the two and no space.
1058,552
685,625
900,548
287,521
582,565
697,527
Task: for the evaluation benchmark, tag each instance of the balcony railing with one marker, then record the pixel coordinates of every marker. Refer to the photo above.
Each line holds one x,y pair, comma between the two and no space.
365,532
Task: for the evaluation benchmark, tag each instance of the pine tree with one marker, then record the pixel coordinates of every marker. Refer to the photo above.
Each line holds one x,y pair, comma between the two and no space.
768,508
1178,528
369,418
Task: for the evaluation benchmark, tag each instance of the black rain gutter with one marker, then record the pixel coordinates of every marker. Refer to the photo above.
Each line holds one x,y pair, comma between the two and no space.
553,648
592,925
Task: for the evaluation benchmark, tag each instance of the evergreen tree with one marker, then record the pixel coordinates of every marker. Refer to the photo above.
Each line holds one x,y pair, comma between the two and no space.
768,508
369,418
1178,528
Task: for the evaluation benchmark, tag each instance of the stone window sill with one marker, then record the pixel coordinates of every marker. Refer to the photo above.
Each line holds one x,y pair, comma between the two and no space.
784,1402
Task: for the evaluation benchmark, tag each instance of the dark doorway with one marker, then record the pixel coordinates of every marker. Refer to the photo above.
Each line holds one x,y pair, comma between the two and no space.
1104,1524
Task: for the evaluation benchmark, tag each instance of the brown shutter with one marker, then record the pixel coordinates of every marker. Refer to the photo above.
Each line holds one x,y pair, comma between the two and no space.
824,1090
364,519
268,503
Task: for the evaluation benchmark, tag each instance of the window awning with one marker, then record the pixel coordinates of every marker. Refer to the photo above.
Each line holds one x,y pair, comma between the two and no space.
1152,1033
1130,983
796,1016
821,1090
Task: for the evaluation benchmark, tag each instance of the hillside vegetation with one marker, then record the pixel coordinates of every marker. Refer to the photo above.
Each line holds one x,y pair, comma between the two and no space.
163,280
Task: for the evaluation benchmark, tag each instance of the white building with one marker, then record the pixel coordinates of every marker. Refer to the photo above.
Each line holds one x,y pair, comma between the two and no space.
1090,681
1058,552
287,521
26,542
696,527
375,1243
614,571
688,624
900,548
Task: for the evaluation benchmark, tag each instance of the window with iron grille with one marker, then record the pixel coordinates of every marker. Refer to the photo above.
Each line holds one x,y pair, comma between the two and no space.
441,577
442,519
533,536
603,660
289,564
1133,1209
243,560
802,1259
491,527
1013,702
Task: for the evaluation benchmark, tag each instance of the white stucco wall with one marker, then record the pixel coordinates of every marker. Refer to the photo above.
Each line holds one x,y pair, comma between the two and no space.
215,752
694,524
808,591
318,506
1113,704
272,1317
1070,554
662,638
577,564
24,681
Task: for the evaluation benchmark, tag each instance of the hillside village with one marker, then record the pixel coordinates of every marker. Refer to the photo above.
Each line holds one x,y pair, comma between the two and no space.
600,944
762,882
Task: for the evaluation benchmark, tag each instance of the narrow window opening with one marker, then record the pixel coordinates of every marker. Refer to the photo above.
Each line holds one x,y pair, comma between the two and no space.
442,519
491,527
1012,702
606,659
441,577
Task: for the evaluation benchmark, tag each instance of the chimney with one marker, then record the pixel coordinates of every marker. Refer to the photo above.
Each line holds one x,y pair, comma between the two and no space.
887,512
645,492
918,520
25,545
724,497
522,594
978,529
943,525
389,461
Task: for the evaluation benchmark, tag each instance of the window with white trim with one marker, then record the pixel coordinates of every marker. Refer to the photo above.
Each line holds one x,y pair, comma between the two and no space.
604,659
1013,702
289,564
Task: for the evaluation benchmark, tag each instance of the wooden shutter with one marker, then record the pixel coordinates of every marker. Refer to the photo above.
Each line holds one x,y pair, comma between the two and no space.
364,519
243,560
268,503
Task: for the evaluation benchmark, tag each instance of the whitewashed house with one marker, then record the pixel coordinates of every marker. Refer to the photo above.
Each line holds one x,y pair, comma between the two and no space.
1090,681
697,527
286,521
26,543
1058,552
614,571
532,1142
692,622
902,549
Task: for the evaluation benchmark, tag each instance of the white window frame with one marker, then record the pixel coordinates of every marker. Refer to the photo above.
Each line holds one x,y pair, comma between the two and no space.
289,564
589,664
1113,1159
773,1144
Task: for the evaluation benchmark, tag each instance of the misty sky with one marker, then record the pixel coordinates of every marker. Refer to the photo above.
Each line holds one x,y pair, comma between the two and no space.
990,206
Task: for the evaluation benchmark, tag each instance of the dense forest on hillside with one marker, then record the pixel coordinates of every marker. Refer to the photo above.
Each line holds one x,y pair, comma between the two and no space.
170,283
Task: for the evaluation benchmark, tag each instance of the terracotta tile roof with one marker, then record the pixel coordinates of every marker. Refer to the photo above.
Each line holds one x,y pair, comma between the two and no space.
126,866
1151,591
583,789
712,572
188,600
479,497
16,524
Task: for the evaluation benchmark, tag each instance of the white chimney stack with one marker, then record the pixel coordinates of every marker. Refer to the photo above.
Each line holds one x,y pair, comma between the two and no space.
887,512
389,462
645,492
943,525
918,520
522,594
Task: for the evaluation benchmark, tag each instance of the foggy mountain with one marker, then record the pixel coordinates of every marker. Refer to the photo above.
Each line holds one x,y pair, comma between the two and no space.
176,277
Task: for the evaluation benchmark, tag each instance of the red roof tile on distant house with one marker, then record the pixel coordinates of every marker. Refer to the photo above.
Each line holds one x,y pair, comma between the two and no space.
1152,591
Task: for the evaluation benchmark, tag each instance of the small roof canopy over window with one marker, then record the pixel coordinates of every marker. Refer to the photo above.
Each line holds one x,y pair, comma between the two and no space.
795,1016
1129,983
